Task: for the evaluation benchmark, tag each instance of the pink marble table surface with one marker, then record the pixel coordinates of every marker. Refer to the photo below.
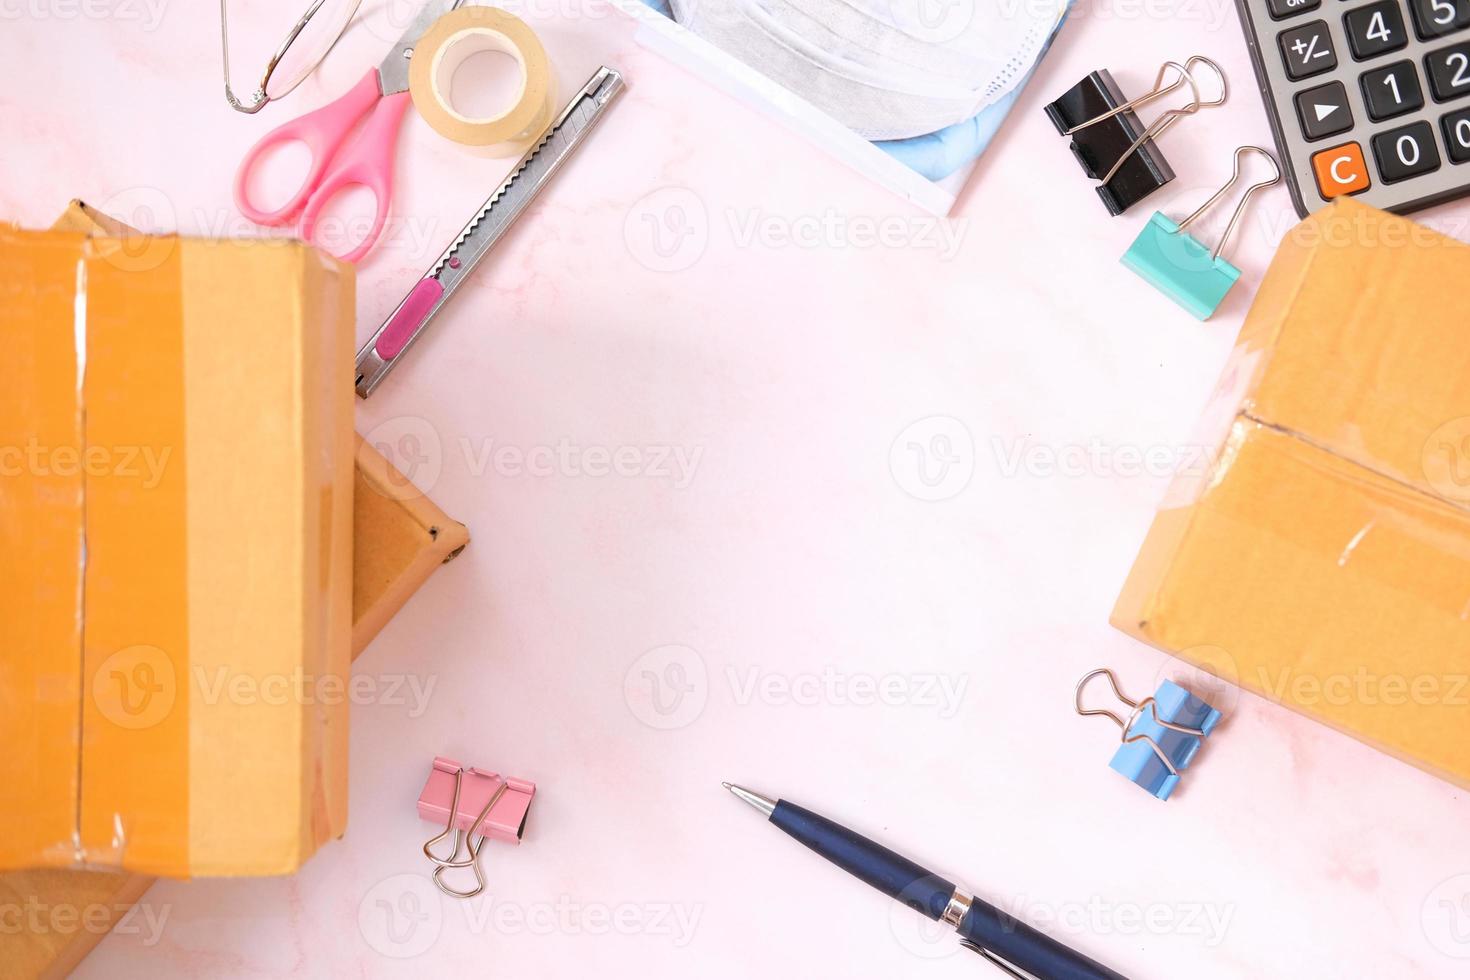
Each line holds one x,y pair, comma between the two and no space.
676,409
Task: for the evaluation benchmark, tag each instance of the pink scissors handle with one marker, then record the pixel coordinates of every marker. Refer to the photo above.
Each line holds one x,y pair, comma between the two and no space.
368,162
323,131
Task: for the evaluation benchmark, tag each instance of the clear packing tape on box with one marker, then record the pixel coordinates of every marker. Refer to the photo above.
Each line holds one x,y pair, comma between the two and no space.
1322,557
400,537
178,523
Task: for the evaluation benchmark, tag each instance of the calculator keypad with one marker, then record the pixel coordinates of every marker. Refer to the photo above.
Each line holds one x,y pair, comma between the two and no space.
1405,153
1375,29
1449,71
1456,127
1369,97
1436,18
1392,90
1323,111
1341,170
1308,50
1281,9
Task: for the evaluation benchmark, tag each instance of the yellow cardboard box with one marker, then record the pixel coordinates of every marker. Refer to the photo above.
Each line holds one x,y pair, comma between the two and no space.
51,919
1323,559
400,535
178,527
399,538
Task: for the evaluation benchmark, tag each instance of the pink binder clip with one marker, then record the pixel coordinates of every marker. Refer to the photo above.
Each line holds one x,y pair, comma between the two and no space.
474,805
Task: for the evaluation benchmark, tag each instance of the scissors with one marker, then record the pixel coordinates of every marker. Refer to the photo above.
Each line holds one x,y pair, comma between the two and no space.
336,164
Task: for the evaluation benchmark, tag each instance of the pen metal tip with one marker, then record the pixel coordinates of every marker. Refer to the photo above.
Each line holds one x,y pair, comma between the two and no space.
762,803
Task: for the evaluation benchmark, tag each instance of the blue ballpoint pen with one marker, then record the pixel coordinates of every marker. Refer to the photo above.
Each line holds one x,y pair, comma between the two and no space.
1007,942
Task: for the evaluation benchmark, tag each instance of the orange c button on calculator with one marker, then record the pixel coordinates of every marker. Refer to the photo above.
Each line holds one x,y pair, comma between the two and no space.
1341,170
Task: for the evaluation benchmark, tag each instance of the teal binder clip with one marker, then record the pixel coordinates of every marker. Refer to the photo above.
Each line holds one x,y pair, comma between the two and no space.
1162,735
1178,264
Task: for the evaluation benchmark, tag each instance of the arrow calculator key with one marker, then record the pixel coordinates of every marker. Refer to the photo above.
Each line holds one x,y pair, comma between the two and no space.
1323,111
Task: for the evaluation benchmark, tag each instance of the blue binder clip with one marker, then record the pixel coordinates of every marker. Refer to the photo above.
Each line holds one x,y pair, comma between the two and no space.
1178,265
1161,736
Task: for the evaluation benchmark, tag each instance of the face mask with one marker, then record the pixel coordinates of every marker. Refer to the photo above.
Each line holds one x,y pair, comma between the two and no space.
888,69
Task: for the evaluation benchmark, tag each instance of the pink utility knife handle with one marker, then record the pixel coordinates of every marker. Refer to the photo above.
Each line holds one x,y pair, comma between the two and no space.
409,317
368,162
323,132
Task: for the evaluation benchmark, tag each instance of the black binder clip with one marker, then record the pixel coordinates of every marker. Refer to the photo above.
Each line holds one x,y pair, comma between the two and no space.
1110,142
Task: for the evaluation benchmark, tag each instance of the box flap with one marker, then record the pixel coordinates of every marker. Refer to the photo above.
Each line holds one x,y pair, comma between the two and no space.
1364,331
1323,586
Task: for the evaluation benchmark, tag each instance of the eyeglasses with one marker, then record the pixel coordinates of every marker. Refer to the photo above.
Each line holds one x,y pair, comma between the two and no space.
308,42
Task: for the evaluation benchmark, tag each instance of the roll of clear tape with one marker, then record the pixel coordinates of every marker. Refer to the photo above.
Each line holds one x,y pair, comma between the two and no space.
460,35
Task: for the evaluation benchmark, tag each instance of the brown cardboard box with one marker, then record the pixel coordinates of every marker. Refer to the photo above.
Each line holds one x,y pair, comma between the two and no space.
52,918
1323,560
179,457
401,537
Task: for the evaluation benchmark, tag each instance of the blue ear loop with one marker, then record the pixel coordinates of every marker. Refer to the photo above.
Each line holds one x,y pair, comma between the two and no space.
1178,265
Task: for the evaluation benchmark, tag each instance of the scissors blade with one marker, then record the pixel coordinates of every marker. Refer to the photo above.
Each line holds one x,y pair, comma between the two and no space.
388,345
393,69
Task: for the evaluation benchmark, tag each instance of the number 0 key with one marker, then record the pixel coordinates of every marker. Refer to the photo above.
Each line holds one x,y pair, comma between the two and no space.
1406,152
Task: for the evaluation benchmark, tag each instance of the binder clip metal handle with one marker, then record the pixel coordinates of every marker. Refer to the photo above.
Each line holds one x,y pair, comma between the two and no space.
1110,142
1158,127
502,815
473,862
1157,92
1172,724
1240,153
1179,265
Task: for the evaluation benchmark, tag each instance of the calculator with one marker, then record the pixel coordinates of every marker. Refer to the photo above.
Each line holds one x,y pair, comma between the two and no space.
1366,97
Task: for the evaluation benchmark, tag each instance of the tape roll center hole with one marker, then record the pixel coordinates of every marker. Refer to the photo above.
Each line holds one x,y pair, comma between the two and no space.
480,76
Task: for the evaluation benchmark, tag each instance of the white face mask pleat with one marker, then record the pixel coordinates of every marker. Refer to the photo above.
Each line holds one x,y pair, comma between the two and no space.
888,69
